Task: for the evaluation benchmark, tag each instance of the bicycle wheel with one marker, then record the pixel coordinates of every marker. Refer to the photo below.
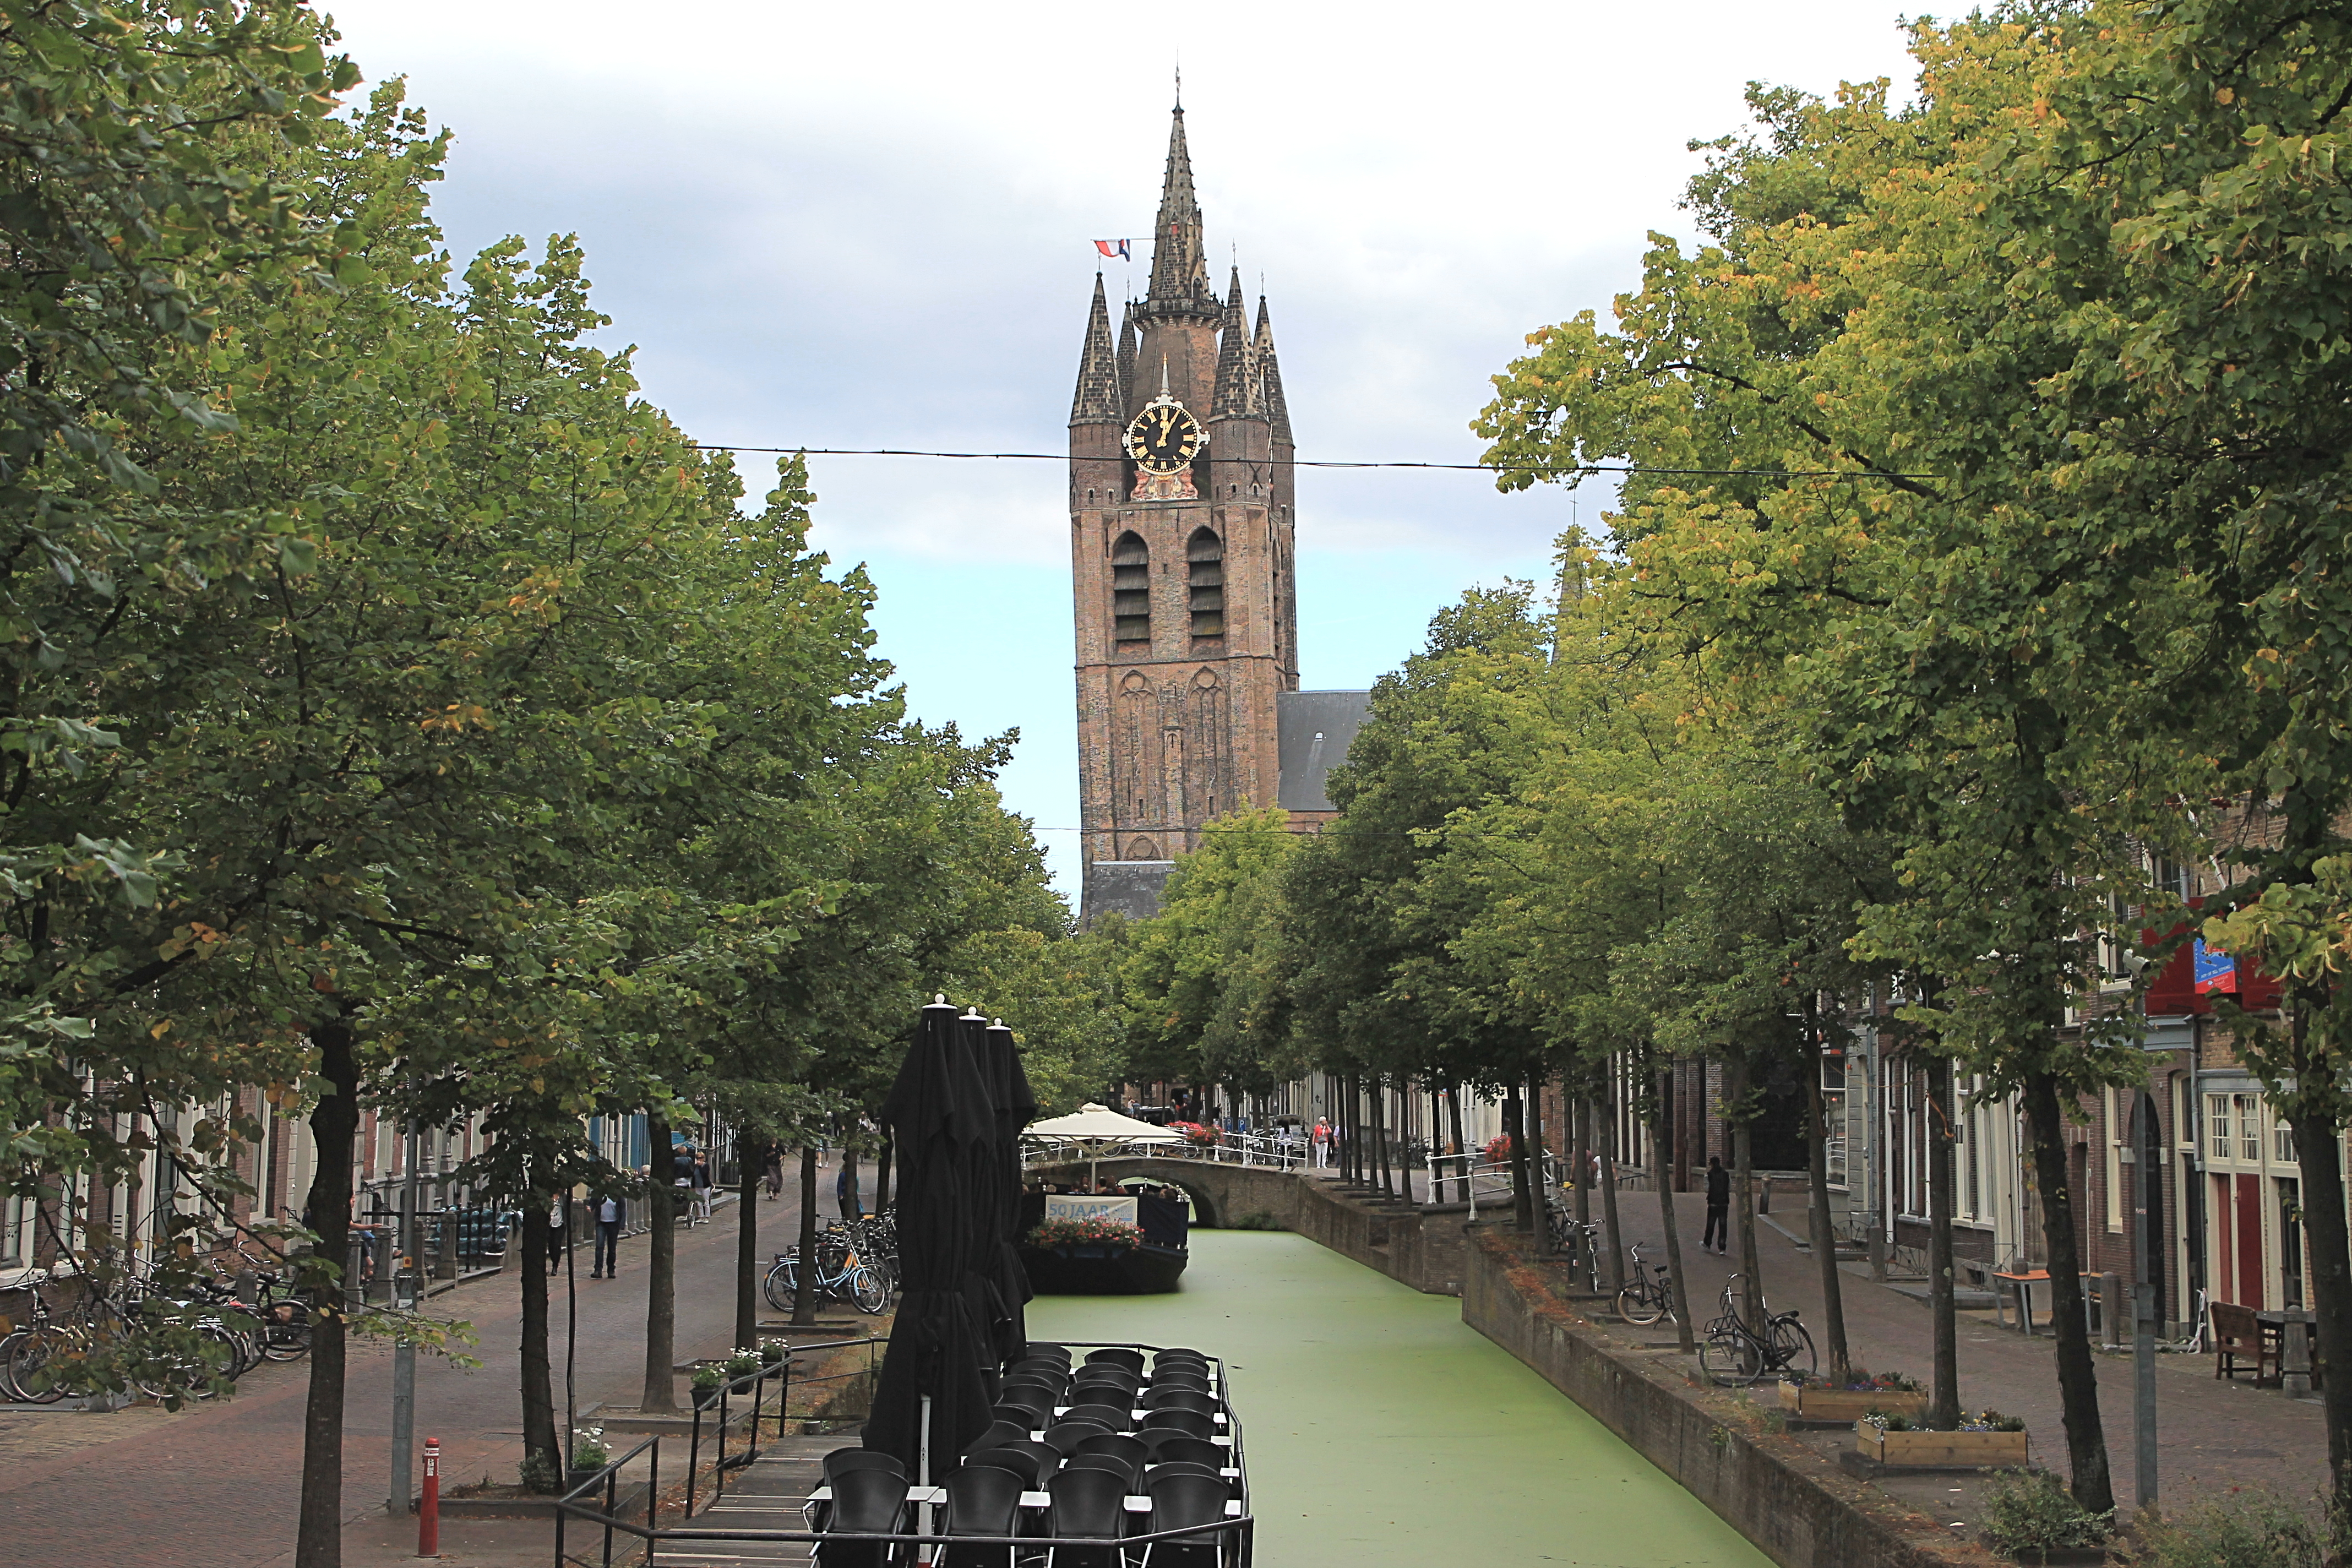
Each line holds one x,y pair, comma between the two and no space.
866,1292
1790,1348
27,1355
285,1330
1640,1303
781,1283
1730,1358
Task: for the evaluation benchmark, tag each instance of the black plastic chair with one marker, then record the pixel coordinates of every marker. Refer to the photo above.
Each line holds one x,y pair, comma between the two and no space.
1064,1435
1001,1433
1032,1469
846,1460
1179,1501
1178,1353
1046,1348
1040,1371
1127,1448
1131,1360
1129,1474
1194,1451
1190,1423
1108,1377
1027,1408
982,1500
1186,1467
1031,1390
1117,1418
1087,1502
1180,1399
868,1501
1178,1377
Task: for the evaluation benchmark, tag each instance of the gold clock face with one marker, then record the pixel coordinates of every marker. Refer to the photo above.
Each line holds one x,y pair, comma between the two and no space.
1165,436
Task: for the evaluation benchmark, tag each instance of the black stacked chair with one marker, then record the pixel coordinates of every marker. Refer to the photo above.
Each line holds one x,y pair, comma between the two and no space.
1194,1451
1027,1408
1032,1469
1000,1433
1030,1391
1107,1377
1177,1357
982,1500
1190,1423
1059,1352
1186,1467
842,1460
1129,1474
1127,1448
1159,1399
869,1501
1131,1360
1178,1378
1064,1435
1117,1418
1087,1502
1179,1501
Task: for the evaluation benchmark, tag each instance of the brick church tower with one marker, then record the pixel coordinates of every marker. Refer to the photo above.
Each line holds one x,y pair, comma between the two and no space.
1181,557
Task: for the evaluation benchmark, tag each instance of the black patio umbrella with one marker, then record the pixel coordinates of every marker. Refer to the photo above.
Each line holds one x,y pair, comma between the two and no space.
942,1129
1016,1106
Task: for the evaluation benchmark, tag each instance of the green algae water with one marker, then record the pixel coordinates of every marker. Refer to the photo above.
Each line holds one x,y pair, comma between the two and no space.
1383,1430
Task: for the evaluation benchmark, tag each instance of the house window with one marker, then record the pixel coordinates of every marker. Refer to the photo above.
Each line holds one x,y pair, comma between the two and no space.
2249,1129
2217,1126
1205,558
1130,588
2116,1110
2282,1144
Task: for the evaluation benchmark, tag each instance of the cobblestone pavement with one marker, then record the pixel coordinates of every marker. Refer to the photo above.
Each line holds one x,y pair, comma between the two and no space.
217,1486
2212,1435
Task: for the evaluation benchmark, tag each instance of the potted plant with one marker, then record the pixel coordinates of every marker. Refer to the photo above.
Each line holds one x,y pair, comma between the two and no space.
706,1382
1985,1441
1086,1235
589,1456
1819,1399
742,1364
773,1353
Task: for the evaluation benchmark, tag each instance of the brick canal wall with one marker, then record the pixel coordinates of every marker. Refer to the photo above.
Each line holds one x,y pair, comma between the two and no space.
1792,1502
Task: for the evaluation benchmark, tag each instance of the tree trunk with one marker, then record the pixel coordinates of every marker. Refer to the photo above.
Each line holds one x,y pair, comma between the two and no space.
1612,1278
335,1122
1579,1179
1824,1235
1515,1131
1743,1197
1944,1400
849,1168
1379,1139
2316,1140
1684,1338
2078,1382
1461,1138
1536,1176
882,1177
804,1276
539,1440
661,1273
749,1172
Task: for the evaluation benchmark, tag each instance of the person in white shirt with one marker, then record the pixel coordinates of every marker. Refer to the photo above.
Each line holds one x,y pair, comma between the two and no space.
611,1213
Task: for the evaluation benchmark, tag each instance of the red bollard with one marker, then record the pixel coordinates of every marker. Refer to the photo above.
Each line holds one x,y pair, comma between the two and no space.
428,1507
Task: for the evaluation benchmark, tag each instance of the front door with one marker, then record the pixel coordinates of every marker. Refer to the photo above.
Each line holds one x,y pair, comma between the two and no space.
2249,1241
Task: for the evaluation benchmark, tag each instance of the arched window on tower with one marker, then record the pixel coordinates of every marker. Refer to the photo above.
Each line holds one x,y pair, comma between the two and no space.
1130,588
1205,558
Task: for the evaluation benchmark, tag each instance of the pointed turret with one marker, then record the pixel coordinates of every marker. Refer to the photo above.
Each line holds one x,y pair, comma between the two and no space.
1097,400
1236,393
1129,339
1180,267
1278,411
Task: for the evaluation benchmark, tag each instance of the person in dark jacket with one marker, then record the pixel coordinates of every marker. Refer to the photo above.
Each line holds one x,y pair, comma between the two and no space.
611,1213
1718,1204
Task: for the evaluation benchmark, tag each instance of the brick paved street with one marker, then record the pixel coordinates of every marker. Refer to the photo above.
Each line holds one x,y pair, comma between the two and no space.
217,1487
2213,1435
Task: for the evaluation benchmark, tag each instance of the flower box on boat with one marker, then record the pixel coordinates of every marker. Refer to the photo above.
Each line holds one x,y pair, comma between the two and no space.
1948,1450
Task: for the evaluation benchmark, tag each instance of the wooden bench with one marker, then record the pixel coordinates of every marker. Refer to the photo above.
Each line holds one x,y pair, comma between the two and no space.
2237,1335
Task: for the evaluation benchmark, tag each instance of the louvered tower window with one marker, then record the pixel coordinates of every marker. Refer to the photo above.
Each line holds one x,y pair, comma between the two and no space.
1205,568
1130,588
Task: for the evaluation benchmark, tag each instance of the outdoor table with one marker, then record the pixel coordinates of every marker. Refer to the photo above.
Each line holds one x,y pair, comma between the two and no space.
2292,1326
2025,1283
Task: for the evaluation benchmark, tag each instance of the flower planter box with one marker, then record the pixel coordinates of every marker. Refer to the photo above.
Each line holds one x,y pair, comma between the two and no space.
1944,1450
1842,1404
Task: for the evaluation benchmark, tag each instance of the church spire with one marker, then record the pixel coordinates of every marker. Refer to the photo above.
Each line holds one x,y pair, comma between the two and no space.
1100,400
1235,397
1180,269
1128,338
1270,377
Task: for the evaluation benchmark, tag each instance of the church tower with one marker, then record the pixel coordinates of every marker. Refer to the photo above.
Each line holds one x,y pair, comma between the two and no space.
1181,557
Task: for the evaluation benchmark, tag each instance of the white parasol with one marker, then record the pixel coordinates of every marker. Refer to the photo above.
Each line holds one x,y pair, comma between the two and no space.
1093,1126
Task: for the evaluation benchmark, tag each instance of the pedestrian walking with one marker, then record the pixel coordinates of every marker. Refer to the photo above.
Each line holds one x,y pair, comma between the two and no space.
775,1171
681,1180
702,1187
1322,1144
1718,1205
610,1216
847,1201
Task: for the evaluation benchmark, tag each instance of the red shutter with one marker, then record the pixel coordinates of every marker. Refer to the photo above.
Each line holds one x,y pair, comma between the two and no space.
2175,990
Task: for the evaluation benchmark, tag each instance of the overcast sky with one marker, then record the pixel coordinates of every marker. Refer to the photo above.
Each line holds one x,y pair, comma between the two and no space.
862,225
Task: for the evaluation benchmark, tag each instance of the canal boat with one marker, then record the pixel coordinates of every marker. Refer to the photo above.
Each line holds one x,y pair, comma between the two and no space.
1088,1244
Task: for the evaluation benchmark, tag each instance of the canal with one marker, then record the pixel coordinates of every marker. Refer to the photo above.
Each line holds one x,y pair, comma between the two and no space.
1383,1430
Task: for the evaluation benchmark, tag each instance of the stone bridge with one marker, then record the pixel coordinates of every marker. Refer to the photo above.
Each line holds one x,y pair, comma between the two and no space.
1422,1248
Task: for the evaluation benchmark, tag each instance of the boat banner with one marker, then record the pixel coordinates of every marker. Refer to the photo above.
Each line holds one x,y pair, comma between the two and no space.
1076,1205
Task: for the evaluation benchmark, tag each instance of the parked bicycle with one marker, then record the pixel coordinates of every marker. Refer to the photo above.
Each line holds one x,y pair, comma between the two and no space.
1649,1295
1733,1352
840,1274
